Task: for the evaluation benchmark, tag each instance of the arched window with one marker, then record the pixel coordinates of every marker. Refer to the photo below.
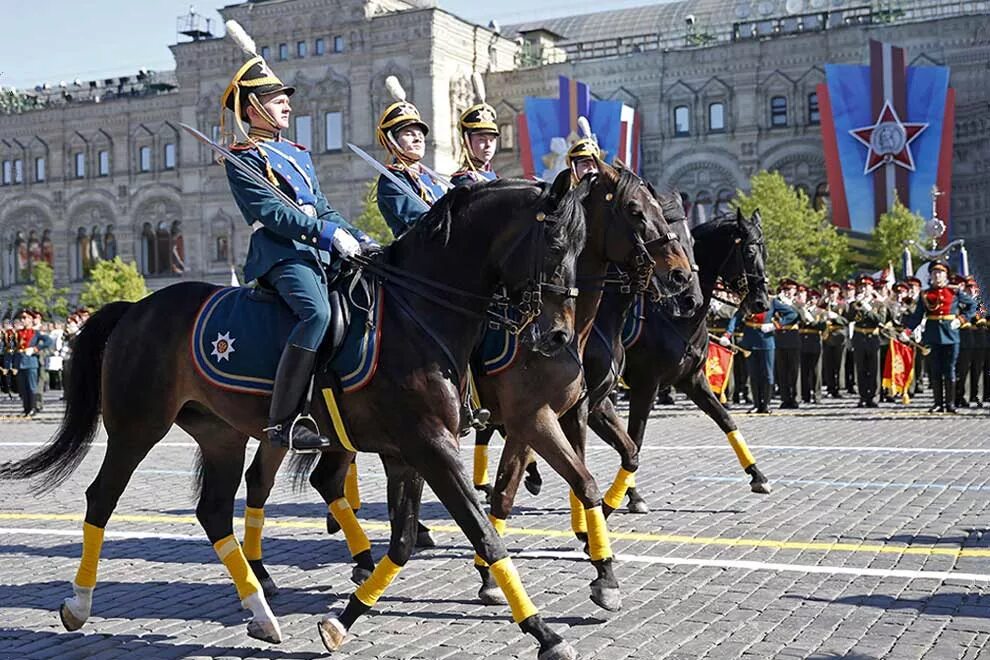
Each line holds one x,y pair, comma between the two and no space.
109,243
723,203
822,198
148,261
682,121
80,254
222,249
702,210
178,248
778,111
95,245
47,248
22,264
163,248
34,252
716,118
814,117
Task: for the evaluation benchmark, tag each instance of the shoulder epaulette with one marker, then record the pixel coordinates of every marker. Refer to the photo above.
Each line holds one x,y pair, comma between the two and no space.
241,146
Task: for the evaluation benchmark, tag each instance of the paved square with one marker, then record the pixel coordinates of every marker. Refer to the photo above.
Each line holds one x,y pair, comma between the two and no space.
872,545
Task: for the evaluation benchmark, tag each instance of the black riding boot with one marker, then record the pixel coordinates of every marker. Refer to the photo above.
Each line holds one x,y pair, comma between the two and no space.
295,368
938,405
950,395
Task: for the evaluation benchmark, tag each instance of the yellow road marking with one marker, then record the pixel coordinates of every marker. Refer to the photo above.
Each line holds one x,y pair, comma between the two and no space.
877,548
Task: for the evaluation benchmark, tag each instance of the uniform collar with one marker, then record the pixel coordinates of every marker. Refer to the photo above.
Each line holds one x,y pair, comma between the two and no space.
262,134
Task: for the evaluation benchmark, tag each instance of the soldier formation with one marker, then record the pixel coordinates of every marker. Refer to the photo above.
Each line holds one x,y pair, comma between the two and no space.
833,342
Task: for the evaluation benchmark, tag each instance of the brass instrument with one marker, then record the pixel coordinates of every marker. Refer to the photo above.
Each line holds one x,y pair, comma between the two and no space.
887,331
732,347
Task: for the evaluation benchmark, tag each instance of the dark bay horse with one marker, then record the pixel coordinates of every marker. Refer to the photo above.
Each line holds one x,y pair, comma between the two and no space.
624,226
510,236
672,350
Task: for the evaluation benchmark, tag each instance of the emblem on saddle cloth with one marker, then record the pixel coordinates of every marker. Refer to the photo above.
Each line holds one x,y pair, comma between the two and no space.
223,346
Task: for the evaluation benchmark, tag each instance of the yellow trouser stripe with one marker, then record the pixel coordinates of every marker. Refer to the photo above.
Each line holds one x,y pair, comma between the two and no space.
578,523
351,490
499,524
338,421
598,542
508,581
92,544
373,588
481,465
254,522
230,553
624,480
739,446
473,389
357,540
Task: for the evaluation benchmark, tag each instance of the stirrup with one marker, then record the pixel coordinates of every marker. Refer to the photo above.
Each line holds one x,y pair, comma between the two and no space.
291,432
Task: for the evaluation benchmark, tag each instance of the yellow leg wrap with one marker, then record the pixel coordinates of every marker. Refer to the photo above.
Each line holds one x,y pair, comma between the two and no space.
481,465
624,480
508,581
351,490
499,525
598,542
373,588
578,523
254,522
92,544
739,446
357,540
230,553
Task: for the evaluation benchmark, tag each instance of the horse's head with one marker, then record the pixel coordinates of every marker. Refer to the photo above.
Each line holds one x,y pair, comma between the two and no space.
627,225
745,270
689,301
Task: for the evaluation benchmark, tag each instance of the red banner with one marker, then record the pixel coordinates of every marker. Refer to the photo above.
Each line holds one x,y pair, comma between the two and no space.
898,369
718,367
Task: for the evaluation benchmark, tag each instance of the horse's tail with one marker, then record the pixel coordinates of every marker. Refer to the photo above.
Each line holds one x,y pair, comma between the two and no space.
300,467
80,421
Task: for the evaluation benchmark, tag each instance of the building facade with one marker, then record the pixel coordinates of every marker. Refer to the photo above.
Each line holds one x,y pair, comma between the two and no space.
100,169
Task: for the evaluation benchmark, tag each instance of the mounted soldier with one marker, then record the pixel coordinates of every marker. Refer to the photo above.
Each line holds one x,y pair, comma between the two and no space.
402,132
290,249
479,139
584,155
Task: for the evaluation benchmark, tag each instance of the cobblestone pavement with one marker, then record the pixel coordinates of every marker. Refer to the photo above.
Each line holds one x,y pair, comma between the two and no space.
872,545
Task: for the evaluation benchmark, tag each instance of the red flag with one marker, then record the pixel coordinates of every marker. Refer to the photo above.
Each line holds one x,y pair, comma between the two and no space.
898,369
718,367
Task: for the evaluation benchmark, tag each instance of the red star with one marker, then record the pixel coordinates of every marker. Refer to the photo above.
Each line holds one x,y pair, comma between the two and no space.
888,140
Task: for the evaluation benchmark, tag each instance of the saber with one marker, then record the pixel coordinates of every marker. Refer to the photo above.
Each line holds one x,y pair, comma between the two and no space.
243,167
384,171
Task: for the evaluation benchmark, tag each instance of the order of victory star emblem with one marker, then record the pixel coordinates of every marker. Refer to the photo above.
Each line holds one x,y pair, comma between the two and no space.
223,346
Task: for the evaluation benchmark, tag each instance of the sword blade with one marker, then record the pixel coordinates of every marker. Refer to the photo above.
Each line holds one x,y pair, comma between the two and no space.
385,172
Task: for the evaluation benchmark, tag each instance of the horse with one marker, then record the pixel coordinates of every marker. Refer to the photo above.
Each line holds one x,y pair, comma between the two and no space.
438,285
624,226
672,349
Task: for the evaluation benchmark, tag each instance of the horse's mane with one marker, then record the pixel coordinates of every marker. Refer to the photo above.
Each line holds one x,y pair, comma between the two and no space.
707,229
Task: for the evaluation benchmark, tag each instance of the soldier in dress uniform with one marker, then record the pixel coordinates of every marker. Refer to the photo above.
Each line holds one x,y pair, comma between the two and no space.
942,309
402,132
975,328
758,337
479,139
867,312
967,346
833,338
849,361
30,341
7,339
983,322
584,155
719,315
811,319
788,347
911,300
290,248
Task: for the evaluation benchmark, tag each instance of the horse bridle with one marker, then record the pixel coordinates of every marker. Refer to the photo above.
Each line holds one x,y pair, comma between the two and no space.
740,285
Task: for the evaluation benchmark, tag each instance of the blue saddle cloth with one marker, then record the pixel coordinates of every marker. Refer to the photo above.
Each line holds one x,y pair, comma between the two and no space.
239,334
497,352
633,327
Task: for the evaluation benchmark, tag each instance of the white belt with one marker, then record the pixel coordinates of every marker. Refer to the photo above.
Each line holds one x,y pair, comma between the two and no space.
256,225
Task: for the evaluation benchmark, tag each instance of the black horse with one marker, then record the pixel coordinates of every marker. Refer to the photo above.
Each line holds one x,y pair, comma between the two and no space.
438,282
672,349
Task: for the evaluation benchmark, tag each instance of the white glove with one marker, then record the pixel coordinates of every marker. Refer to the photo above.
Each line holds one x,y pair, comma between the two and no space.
724,341
309,210
832,315
766,327
345,244
30,350
918,333
955,323
905,336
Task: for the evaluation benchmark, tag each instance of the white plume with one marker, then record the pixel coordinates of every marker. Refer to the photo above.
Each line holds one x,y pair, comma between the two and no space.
584,128
479,87
394,88
241,38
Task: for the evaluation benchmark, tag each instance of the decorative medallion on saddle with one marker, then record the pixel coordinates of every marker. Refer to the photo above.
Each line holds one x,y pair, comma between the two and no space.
239,334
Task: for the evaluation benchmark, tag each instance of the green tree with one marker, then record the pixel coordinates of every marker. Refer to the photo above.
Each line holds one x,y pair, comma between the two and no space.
42,294
801,242
371,221
894,228
113,280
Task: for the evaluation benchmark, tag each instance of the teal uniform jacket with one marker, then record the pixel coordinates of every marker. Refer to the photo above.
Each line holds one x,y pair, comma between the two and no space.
401,212
282,233
42,342
755,339
937,307
467,177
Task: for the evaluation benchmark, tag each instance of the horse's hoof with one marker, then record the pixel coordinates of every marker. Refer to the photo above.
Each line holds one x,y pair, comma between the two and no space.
638,506
266,631
424,539
607,598
69,620
559,651
332,632
491,596
761,487
332,525
485,490
269,587
359,575
533,486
